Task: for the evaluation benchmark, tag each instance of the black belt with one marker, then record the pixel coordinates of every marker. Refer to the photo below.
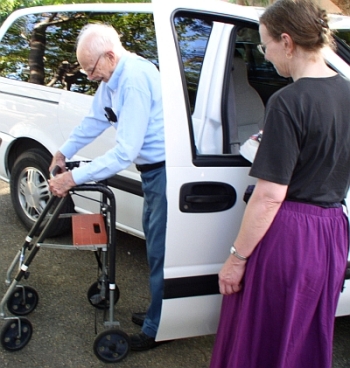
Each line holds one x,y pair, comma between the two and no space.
149,167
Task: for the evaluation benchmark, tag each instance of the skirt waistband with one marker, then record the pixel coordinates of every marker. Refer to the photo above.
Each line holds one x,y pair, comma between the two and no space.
312,209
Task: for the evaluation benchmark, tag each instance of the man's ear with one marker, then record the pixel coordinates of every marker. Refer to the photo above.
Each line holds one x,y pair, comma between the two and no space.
111,56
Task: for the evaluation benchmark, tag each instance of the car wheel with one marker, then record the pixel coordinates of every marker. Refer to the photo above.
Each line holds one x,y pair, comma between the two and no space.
30,190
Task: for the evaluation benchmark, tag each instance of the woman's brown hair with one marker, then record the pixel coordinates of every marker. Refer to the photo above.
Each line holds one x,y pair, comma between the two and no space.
304,21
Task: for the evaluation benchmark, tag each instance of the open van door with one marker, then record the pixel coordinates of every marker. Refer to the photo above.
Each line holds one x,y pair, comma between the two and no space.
215,85
205,183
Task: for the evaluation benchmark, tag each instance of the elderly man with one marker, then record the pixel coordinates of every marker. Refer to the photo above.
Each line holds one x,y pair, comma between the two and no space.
130,90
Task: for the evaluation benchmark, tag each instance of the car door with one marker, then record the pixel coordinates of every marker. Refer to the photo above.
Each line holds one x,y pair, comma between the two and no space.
205,183
215,86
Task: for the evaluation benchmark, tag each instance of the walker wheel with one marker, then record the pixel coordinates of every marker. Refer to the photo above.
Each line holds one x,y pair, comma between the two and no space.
111,346
22,301
16,334
96,297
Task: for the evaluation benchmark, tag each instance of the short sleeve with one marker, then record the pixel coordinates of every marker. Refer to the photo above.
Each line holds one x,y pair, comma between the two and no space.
279,149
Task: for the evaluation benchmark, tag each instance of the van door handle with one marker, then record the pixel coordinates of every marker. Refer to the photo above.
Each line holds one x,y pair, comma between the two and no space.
206,197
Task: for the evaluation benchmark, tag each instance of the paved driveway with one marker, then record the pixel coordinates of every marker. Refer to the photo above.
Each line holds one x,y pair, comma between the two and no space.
64,321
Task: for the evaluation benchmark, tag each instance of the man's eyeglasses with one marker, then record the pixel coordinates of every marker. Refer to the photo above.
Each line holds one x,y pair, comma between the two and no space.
92,71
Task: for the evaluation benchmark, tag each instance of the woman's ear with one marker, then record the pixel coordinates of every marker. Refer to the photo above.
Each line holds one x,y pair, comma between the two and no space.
287,42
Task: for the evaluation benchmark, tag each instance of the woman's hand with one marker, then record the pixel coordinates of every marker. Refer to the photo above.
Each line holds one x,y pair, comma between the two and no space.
261,209
231,275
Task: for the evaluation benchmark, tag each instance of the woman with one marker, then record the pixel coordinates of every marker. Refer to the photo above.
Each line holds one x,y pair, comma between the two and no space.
282,281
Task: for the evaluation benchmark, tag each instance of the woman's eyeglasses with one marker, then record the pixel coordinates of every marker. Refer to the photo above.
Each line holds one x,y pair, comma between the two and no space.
262,47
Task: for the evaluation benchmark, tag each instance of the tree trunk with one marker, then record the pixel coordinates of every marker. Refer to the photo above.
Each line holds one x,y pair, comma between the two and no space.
37,53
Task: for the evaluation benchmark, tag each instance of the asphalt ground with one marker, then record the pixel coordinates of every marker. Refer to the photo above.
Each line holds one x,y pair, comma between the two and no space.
65,323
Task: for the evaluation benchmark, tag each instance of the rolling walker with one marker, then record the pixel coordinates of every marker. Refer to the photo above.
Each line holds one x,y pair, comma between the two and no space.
95,232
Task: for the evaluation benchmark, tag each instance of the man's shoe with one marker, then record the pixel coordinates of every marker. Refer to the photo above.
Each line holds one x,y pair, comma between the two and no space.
138,318
141,341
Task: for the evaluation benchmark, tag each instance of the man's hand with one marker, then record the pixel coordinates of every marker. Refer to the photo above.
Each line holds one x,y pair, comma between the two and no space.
231,275
61,184
58,160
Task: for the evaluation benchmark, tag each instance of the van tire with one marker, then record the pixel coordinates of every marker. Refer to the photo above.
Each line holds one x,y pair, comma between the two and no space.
29,192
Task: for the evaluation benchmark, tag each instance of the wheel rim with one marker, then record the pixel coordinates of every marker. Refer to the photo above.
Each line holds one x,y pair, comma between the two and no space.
10,338
33,192
112,345
23,301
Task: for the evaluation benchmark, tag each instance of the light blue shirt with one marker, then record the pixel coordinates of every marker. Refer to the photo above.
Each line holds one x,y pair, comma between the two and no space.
134,94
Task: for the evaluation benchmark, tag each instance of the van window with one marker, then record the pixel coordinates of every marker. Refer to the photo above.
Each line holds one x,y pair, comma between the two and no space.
231,107
261,74
40,48
342,40
193,35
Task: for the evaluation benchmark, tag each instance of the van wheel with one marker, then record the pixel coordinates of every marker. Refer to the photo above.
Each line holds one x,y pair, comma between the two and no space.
30,191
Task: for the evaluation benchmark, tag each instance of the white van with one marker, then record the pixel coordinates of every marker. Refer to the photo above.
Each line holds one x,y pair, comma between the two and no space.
215,87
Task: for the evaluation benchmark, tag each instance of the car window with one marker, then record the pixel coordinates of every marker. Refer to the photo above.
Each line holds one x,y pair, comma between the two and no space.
262,75
342,40
193,35
40,48
343,34
246,83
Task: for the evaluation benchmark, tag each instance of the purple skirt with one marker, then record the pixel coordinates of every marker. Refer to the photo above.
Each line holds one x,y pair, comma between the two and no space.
284,315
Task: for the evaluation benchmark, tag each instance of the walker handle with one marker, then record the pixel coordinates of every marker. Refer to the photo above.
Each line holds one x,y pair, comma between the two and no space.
54,171
70,165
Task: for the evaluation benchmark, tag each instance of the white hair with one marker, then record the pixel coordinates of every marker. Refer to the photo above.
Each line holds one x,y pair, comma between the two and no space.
99,38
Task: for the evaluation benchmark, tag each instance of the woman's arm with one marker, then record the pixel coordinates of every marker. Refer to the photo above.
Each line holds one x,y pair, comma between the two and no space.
261,209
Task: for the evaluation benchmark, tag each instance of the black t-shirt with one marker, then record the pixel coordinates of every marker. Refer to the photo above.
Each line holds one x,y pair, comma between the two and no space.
306,140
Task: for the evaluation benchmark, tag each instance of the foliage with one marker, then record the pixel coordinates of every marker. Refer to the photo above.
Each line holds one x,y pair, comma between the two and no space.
40,48
8,6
